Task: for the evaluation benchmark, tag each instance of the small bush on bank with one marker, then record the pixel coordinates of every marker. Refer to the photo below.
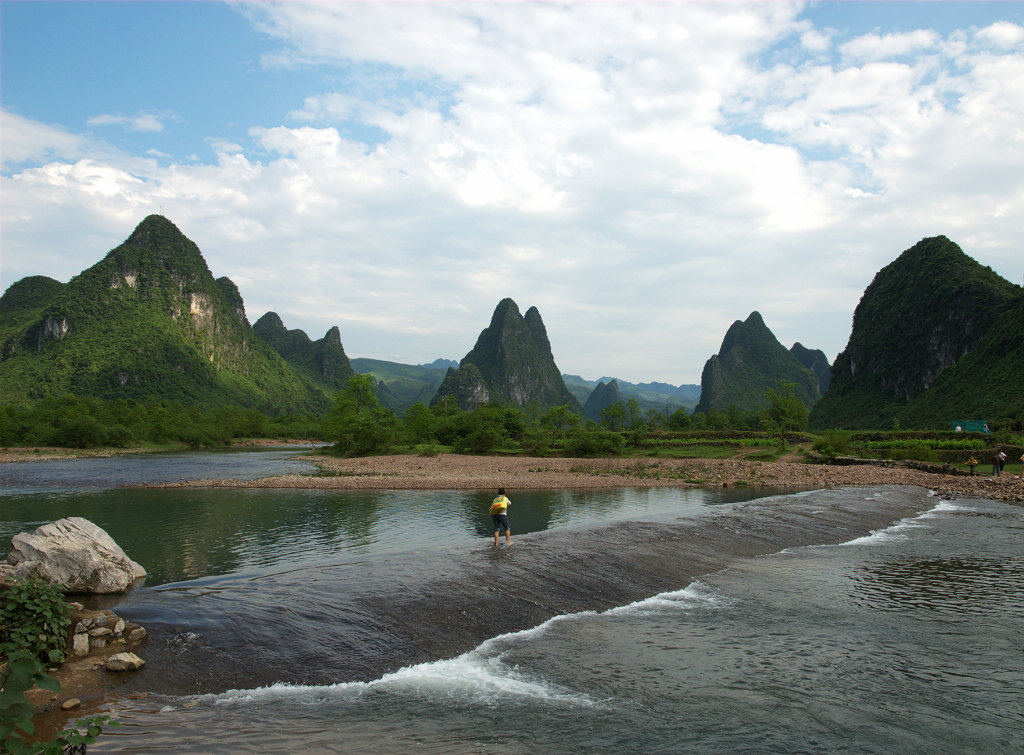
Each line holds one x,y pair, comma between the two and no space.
34,617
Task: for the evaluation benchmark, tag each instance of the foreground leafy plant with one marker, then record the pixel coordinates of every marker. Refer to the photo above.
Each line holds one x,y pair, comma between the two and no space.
23,673
34,617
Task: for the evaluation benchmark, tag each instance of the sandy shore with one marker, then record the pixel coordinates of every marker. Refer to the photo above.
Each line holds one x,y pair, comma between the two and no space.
458,472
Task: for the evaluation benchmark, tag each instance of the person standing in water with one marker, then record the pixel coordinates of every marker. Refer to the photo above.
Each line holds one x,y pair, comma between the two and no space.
499,513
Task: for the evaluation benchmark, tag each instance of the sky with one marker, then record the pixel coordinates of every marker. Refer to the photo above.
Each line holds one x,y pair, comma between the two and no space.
645,174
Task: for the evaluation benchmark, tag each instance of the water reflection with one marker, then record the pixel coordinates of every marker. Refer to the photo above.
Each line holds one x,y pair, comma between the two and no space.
191,533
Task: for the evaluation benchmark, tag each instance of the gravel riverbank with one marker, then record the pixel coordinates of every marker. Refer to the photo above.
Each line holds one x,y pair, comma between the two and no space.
459,472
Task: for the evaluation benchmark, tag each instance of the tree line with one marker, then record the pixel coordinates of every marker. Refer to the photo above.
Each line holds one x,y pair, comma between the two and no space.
358,424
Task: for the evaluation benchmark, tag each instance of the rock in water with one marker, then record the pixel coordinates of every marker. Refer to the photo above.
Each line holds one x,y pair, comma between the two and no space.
124,662
74,554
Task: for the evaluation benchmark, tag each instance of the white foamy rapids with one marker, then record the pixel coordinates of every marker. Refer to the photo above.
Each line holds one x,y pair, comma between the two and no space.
898,531
696,595
480,676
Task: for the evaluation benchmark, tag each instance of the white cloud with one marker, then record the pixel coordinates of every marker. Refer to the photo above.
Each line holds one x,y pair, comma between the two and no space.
1002,34
141,122
26,140
884,46
636,171
816,40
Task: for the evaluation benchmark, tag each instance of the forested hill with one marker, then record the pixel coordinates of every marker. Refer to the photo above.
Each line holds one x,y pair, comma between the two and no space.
323,361
936,337
510,363
148,321
751,362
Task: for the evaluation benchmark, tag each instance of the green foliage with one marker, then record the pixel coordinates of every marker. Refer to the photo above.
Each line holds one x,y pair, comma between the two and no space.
76,422
420,423
148,322
25,672
679,420
786,413
484,430
594,443
833,443
323,362
34,617
357,423
613,416
936,336
750,361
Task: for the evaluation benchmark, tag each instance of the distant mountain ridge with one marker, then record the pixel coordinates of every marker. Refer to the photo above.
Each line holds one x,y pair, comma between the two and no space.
936,337
750,362
511,363
657,396
148,321
399,386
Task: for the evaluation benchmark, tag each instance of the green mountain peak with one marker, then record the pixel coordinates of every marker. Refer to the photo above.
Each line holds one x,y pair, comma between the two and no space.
750,362
915,349
511,363
147,322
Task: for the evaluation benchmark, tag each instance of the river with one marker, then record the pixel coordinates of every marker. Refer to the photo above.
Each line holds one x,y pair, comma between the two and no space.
664,620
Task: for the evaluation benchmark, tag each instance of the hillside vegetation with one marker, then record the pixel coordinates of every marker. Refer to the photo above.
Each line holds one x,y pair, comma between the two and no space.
936,337
149,321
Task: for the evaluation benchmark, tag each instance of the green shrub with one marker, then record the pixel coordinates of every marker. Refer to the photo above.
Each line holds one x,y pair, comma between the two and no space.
833,443
35,618
594,443
22,674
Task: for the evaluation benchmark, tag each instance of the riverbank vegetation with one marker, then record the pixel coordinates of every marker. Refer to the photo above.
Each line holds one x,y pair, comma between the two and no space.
359,424
34,622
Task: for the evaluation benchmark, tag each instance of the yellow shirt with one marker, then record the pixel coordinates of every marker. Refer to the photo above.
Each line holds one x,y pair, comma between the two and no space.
499,505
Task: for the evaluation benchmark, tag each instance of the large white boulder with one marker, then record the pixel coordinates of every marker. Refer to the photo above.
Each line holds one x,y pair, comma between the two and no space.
76,555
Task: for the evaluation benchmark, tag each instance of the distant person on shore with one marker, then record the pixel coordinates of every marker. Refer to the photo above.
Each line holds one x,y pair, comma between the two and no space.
972,463
997,463
1002,461
499,513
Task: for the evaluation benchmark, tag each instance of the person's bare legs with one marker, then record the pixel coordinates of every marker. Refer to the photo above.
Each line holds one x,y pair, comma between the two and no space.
508,537
495,537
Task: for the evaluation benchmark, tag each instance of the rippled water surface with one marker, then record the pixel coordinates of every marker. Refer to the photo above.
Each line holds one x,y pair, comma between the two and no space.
279,623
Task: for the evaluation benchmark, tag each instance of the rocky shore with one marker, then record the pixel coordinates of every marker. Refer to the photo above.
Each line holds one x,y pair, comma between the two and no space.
459,472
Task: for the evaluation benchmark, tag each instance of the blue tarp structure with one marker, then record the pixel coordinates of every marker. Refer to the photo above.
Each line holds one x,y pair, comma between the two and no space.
971,425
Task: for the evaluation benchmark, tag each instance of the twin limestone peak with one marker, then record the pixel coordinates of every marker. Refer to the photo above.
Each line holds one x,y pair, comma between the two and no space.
511,363
750,362
324,361
603,396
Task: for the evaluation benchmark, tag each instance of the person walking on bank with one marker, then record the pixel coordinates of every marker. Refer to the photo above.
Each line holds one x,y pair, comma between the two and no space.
499,513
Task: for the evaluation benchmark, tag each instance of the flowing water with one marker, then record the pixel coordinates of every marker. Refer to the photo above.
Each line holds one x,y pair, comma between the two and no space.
853,620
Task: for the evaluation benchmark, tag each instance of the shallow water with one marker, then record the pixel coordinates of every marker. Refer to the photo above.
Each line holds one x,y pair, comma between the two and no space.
853,620
26,477
814,649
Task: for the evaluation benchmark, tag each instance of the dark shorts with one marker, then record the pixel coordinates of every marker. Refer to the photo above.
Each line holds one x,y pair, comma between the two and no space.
501,522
